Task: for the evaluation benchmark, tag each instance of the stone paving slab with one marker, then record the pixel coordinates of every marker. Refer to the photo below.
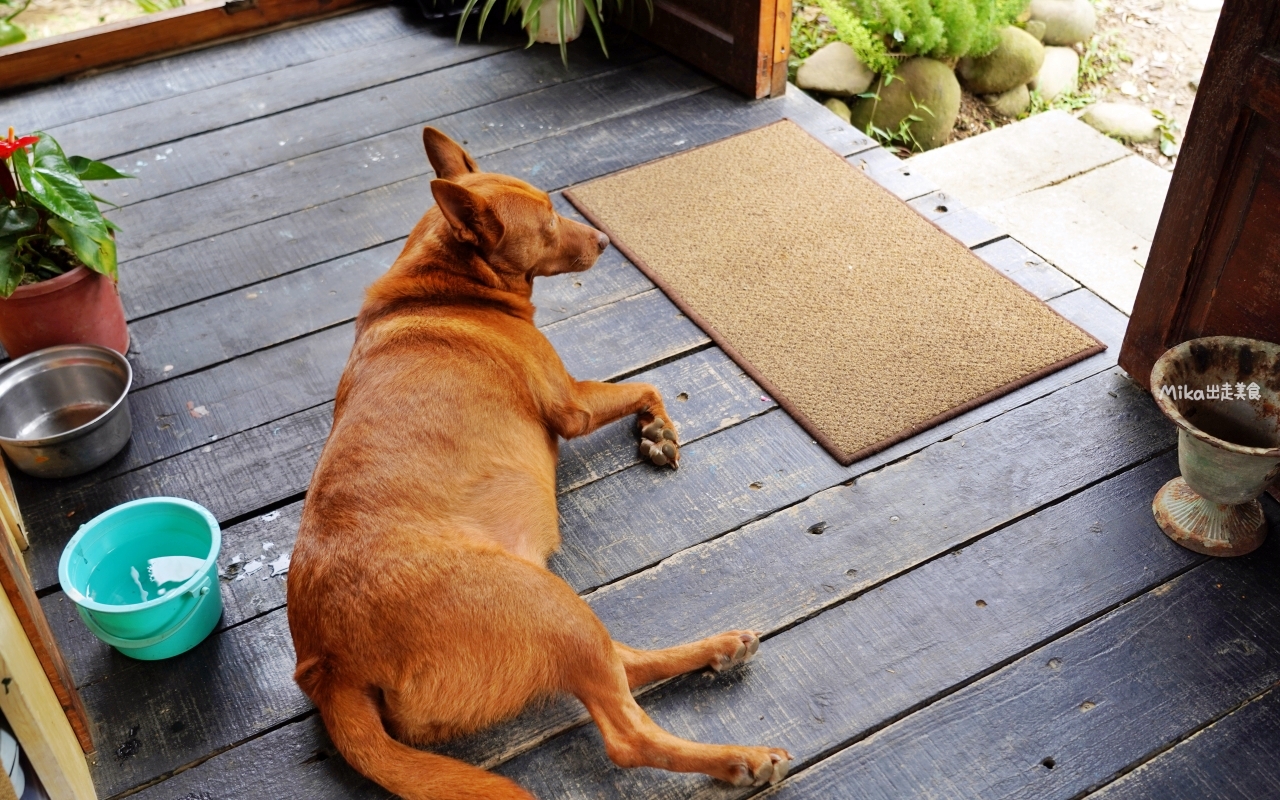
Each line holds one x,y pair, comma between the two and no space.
1079,199
1039,151
1130,191
1082,241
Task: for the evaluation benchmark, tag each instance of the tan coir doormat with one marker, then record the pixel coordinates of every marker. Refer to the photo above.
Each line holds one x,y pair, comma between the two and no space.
863,319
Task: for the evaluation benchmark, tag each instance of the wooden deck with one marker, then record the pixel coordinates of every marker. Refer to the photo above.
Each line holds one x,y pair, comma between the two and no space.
986,610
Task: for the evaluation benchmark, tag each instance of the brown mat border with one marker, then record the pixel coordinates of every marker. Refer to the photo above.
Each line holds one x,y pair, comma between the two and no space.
844,459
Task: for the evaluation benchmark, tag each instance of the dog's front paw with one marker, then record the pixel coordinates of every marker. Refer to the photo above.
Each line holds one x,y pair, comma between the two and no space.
658,442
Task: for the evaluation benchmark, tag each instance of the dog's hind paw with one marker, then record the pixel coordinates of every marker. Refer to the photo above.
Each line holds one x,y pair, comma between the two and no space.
658,443
761,766
739,648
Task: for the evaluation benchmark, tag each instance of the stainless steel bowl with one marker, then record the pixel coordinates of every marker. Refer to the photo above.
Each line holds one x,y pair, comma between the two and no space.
63,409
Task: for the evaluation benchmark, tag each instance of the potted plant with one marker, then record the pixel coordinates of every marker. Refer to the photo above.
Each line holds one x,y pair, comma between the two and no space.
57,251
550,21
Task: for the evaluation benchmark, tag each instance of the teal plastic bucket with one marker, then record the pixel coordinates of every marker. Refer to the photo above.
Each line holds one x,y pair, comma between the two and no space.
144,576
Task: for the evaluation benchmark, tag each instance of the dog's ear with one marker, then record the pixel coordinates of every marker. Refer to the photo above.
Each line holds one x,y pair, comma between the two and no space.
469,216
447,157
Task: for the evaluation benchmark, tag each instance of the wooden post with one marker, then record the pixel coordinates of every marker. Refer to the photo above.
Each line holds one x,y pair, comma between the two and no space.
21,597
744,43
36,716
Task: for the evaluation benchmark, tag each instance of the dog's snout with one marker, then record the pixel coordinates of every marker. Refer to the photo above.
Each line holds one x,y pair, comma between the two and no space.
602,241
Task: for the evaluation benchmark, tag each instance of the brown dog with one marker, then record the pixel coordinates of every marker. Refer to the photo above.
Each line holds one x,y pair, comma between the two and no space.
419,599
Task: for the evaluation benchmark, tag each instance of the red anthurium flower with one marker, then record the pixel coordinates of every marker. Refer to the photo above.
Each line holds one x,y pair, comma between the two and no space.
13,144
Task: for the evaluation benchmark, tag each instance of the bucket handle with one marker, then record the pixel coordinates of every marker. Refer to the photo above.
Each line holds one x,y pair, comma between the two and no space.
196,592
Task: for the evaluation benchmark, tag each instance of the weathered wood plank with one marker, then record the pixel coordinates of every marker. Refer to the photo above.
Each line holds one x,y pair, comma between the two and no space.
717,395
894,648
158,715
227,326
1111,440
1031,271
1076,712
301,750
275,246
892,173
59,104
950,214
128,131
274,191
704,392
1232,758
447,87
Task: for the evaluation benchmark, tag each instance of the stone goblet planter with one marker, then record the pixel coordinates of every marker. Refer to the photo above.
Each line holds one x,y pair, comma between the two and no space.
1228,449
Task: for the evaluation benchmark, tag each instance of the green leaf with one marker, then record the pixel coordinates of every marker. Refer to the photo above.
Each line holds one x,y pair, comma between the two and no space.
96,249
14,221
90,170
106,201
11,270
52,183
594,15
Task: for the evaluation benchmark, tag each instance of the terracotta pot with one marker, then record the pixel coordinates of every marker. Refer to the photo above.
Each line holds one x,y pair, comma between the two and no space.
78,307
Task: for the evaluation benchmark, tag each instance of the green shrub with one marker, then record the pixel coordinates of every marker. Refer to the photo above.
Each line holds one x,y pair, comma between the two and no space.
882,31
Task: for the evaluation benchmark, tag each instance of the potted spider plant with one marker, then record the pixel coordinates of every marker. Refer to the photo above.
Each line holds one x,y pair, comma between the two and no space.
57,251
549,21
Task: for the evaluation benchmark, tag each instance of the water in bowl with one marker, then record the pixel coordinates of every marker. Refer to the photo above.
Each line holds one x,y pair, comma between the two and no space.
125,577
61,420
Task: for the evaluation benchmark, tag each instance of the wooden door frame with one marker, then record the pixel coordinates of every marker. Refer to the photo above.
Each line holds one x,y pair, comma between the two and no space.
1237,85
760,38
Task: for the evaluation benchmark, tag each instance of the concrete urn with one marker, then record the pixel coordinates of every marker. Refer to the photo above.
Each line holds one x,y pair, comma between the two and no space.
1223,393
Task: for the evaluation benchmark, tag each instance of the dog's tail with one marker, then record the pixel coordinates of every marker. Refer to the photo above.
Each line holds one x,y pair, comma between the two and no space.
351,715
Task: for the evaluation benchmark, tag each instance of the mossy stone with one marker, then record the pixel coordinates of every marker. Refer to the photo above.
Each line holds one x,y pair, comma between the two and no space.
1066,21
1010,103
835,69
921,86
1016,60
838,107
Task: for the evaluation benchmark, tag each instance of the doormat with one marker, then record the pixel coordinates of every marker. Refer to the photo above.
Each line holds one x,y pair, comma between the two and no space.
864,320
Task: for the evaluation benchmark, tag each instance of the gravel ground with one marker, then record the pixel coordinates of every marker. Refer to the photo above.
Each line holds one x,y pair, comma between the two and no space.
1168,41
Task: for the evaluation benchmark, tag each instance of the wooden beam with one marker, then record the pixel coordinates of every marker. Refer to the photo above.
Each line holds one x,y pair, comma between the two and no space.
781,48
1263,92
45,60
10,517
34,630
33,710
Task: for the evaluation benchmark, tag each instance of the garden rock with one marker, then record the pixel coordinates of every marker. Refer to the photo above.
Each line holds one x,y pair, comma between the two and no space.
838,107
922,82
1014,62
1130,123
1010,103
1036,28
1059,73
1065,21
835,69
